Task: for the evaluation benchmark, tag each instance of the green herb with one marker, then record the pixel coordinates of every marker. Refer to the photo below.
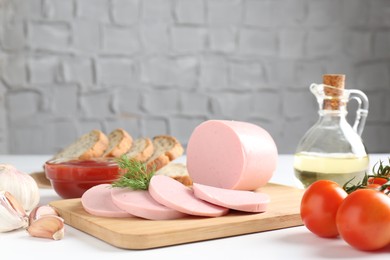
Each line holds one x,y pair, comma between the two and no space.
136,174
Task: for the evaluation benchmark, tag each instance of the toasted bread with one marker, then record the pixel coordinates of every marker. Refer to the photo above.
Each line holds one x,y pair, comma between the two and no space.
141,150
89,145
177,171
119,143
166,149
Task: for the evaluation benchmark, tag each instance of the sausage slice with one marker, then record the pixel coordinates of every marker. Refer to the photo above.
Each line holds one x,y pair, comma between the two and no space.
97,201
175,195
139,203
248,201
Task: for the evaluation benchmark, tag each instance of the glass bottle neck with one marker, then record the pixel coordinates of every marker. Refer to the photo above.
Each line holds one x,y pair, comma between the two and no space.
333,113
335,117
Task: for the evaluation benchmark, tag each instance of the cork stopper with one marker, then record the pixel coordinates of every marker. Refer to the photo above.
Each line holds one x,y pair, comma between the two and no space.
334,88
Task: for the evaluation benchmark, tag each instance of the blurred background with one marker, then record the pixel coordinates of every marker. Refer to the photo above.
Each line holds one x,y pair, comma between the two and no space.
164,66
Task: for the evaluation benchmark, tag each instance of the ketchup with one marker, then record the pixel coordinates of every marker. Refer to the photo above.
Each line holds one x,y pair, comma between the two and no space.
71,178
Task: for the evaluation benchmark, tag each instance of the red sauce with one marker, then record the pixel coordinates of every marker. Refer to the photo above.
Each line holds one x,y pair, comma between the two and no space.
70,179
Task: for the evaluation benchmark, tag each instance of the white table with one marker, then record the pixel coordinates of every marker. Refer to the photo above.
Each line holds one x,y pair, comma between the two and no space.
290,243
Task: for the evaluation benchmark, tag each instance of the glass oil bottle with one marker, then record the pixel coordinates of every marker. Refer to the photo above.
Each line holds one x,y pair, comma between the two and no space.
333,149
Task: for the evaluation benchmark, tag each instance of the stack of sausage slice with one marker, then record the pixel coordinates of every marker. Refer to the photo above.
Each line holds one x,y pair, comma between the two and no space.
167,198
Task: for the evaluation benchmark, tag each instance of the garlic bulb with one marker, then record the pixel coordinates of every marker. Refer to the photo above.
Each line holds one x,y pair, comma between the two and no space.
21,185
12,214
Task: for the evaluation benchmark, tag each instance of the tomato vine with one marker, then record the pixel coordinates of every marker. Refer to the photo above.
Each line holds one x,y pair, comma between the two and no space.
379,180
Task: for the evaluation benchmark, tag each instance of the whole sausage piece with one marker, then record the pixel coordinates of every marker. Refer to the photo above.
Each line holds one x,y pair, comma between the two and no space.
231,154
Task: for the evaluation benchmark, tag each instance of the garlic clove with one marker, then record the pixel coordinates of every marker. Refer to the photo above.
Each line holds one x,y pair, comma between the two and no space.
48,226
15,204
40,211
12,214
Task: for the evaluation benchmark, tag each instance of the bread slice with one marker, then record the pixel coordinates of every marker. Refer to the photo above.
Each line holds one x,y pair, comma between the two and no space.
141,150
177,171
119,143
166,149
89,145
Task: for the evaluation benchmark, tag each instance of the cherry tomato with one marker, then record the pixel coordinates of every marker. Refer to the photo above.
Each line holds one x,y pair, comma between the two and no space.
377,180
319,206
374,186
363,219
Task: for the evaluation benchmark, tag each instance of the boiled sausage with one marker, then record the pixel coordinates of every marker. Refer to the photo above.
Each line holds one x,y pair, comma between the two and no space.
231,155
139,203
97,201
248,201
175,195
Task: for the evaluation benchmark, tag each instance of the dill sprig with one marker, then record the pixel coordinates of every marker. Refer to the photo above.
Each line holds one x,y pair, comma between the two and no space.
136,174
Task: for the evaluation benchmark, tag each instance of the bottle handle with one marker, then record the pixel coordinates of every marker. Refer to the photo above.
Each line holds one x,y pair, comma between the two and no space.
361,112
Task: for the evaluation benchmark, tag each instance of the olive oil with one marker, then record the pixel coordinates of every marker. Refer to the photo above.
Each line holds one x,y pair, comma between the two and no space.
310,167
332,148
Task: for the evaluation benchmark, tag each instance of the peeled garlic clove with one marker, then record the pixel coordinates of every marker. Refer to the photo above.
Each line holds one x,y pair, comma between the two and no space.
40,211
12,214
48,226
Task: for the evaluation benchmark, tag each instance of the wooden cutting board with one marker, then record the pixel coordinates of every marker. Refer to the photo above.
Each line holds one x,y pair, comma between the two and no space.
137,233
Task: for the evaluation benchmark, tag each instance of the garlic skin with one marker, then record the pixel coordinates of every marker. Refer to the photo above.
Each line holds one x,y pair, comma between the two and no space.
12,214
21,185
48,226
45,222
42,211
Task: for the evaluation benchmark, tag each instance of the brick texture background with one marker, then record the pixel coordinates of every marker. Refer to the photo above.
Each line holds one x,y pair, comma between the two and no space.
164,66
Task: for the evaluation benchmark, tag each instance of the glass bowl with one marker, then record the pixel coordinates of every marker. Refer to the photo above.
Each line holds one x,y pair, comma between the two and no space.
70,178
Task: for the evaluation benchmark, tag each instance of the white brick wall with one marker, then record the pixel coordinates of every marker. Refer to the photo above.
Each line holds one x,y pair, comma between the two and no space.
164,66
43,69
190,12
115,71
125,12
